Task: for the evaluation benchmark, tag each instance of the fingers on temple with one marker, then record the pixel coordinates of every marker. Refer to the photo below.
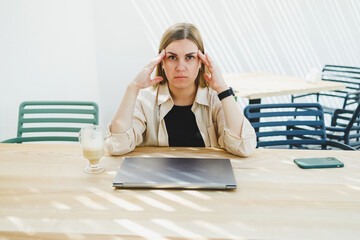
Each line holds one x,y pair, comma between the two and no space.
209,60
161,55
203,58
207,77
157,59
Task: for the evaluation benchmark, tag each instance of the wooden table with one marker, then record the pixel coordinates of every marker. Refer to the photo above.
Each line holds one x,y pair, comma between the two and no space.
44,194
255,86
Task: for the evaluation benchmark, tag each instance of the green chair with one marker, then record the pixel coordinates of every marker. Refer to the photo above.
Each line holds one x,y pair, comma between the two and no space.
54,120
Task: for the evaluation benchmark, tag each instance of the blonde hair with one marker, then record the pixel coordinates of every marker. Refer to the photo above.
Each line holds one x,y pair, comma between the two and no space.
182,31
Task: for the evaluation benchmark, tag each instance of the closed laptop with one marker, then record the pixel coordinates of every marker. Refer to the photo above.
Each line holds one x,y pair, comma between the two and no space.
178,173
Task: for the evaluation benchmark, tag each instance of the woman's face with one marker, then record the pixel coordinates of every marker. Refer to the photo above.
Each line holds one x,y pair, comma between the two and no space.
181,63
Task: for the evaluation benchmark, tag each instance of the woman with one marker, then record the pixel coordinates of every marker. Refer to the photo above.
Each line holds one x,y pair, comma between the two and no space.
187,104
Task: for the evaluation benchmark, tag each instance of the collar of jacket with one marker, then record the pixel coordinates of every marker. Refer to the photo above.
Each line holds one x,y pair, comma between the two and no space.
164,95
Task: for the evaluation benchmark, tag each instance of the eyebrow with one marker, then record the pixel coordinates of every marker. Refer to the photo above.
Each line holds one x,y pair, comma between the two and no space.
192,53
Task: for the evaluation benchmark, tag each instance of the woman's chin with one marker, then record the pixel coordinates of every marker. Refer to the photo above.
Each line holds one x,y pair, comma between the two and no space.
181,83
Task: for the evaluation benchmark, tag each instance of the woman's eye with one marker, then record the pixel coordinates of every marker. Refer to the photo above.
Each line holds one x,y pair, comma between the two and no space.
190,57
172,57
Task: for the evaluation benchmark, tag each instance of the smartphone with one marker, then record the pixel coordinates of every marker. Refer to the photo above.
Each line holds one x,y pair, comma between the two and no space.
325,162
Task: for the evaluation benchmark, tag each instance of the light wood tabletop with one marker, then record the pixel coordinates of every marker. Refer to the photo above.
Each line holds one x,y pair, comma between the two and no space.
44,194
260,84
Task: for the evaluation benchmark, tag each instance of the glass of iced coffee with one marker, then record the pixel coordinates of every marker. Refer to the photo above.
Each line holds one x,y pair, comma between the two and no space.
92,140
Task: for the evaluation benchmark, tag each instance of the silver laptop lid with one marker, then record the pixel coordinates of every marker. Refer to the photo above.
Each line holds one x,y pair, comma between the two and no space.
184,173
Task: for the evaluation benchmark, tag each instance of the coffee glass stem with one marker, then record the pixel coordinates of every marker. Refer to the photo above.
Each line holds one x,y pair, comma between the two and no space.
92,141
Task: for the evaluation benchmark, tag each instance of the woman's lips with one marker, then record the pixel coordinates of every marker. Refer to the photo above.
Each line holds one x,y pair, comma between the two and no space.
181,77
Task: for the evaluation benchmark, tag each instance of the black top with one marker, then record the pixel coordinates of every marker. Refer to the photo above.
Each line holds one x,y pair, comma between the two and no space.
182,128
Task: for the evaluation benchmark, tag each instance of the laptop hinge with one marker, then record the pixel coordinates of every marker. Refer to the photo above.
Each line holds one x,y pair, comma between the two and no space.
230,186
118,185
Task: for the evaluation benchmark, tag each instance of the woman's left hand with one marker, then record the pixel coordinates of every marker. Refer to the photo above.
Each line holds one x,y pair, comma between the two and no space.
215,79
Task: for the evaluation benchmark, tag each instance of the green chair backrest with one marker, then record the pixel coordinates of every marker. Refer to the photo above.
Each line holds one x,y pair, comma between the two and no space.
54,120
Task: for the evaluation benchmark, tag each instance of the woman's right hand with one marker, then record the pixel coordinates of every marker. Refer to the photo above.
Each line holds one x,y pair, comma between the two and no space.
143,79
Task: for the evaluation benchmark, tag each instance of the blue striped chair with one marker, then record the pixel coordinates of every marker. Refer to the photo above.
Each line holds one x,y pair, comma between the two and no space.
290,124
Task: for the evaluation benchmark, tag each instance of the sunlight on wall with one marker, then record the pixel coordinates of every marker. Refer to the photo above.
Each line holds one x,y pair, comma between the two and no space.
287,37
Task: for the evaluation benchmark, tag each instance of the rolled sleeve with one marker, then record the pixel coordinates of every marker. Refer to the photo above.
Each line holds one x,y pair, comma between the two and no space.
121,143
242,146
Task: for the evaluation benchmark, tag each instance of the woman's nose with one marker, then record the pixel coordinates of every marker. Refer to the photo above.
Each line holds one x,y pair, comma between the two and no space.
181,66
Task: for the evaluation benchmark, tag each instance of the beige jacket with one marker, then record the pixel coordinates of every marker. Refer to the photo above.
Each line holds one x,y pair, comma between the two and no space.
149,128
